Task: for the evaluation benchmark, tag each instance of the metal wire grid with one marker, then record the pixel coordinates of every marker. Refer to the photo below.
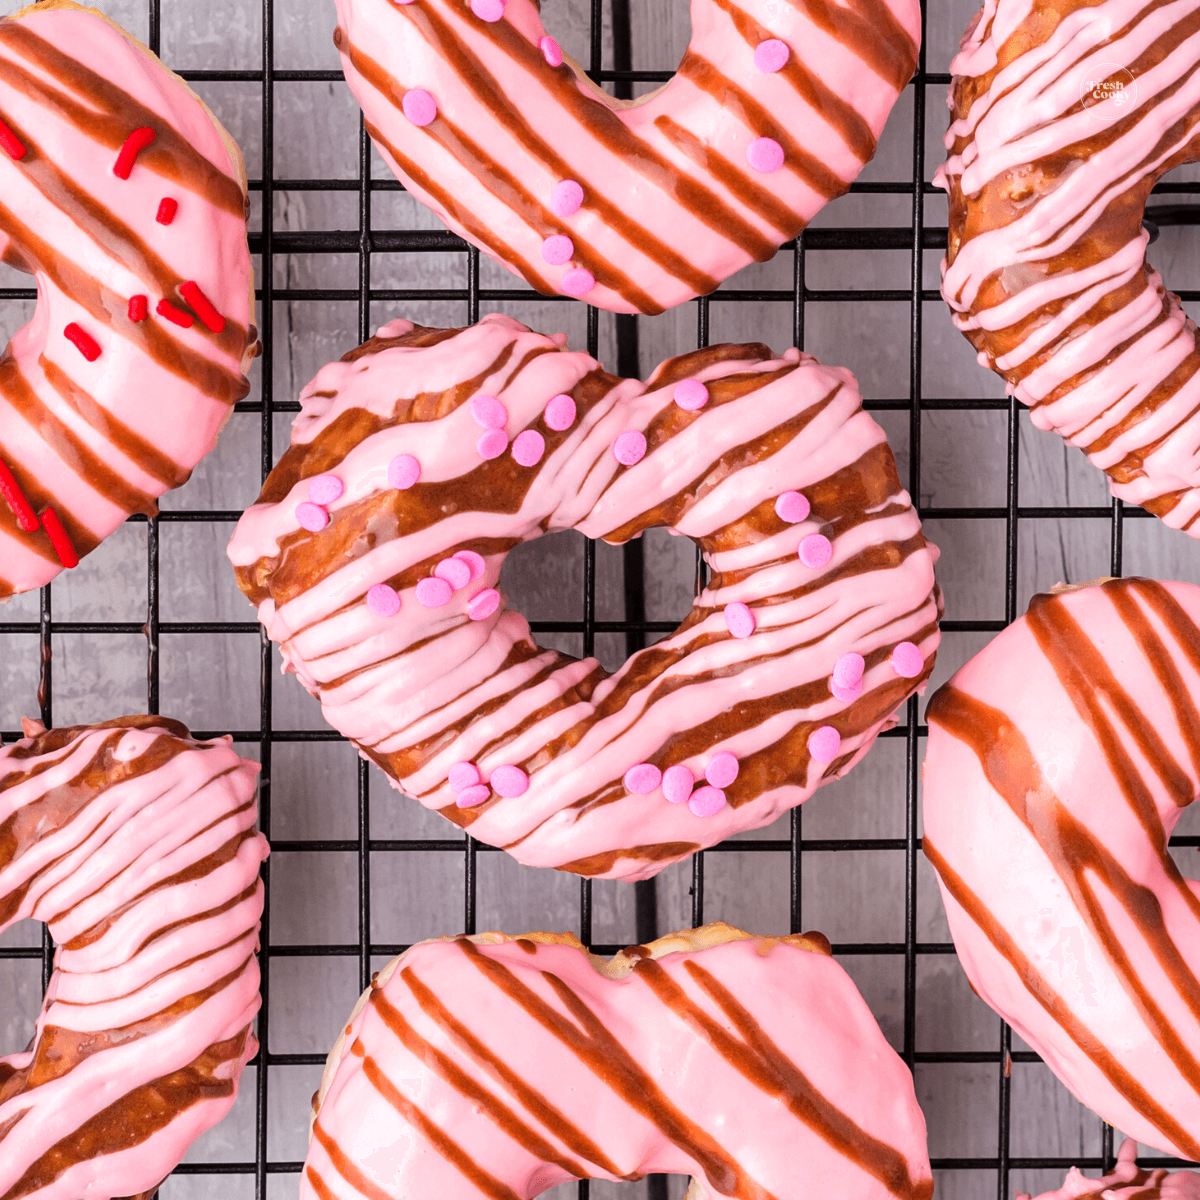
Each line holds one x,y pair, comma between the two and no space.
364,242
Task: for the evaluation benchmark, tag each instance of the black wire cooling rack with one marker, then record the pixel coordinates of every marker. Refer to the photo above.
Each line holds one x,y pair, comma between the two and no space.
365,241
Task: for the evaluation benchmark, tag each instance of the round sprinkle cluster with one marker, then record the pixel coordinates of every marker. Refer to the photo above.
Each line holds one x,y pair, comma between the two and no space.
311,516
449,576
433,592
470,790
690,394
846,681
492,443
677,783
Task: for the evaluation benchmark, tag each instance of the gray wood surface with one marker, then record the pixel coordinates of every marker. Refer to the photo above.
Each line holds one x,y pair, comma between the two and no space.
211,681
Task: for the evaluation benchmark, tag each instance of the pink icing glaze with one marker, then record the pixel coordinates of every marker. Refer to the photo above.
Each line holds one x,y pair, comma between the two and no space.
824,744
462,776
771,55
1127,1181
488,10
1060,759
567,197
765,155
907,660
455,571
102,859
474,561
383,600
325,489
433,592
410,692
509,781
629,448
815,550
403,470
677,782
419,107
656,243
528,447
558,249
656,1073
642,779
739,620
706,801
690,394
792,507
560,413
68,422
492,443
577,282
489,412
722,769
470,797
311,516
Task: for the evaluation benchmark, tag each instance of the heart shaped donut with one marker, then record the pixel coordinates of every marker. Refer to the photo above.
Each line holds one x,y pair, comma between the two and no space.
124,197
498,1067
136,844
635,206
424,456
1060,759
1064,117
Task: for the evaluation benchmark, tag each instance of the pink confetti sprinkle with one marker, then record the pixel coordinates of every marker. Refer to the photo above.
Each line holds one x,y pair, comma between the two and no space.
488,10
577,282
528,447
551,51
642,779
815,550
454,571
463,775
739,620
846,681
509,781
630,447
558,249
690,394
433,592
325,489
419,106
824,744
722,769
492,444
383,600
763,154
677,783
474,561
771,56
907,660
483,604
311,516
560,413
567,197
706,801
470,797
403,471
792,507
488,412
846,693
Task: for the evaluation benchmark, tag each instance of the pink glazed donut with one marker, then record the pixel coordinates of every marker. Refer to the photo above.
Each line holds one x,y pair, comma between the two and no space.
442,449
634,206
137,845
497,1067
1060,759
1127,1181
124,197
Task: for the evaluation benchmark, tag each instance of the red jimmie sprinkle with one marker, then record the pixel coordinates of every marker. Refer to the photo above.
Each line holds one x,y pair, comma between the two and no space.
167,208
10,489
202,307
82,341
60,539
176,316
135,143
11,144
139,308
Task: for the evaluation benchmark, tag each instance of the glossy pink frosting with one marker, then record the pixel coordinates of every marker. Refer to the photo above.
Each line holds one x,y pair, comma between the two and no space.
1060,759
680,189
501,1067
138,847
1126,1181
97,440
421,689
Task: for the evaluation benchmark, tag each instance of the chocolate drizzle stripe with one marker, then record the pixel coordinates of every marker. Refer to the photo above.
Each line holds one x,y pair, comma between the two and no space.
873,27
38,541
1047,997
